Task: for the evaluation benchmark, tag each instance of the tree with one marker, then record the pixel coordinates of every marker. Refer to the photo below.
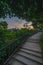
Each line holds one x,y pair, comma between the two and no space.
3,27
1,35
38,24
3,24
27,9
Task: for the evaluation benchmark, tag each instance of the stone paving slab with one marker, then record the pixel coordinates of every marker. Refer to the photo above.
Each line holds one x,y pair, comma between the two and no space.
14,62
36,36
31,52
26,61
33,46
37,59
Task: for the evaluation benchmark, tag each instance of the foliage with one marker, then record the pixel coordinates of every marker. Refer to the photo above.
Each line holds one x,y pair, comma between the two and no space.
28,9
3,24
8,37
41,44
41,41
3,28
38,25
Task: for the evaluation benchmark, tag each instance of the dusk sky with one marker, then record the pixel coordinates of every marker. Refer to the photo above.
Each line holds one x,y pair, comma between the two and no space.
14,22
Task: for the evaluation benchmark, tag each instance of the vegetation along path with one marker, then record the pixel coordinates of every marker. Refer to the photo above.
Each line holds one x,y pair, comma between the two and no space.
29,53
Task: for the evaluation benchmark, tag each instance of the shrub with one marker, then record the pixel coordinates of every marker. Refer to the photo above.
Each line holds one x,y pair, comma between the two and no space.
41,43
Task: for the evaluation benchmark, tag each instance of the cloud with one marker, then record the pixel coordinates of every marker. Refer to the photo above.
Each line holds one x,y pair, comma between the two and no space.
13,21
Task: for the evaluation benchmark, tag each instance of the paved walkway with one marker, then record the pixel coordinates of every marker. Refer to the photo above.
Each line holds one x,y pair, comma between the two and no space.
29,54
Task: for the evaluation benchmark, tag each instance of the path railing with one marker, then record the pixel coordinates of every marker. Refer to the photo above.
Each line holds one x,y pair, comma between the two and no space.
6,51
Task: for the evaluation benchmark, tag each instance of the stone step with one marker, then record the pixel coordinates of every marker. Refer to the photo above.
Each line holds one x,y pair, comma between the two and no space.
7,64
36,36
25,60
32,47
33,40
12,61
28,56
31,53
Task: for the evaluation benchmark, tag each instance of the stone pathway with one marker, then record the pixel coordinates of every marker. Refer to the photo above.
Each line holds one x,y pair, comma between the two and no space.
29,54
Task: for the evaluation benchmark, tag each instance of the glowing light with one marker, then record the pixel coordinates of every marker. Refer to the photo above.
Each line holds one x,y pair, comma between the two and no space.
31,27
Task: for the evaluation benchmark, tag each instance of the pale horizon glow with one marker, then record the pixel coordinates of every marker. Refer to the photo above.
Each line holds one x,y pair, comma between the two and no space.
15,22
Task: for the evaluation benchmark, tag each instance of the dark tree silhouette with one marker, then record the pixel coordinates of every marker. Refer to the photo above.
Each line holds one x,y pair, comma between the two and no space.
28,9
3,24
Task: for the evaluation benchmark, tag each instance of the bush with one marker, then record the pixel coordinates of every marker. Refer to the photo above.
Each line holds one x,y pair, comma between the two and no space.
41,43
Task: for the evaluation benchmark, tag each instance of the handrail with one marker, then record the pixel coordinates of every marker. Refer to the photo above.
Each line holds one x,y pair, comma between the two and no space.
8,49
11,43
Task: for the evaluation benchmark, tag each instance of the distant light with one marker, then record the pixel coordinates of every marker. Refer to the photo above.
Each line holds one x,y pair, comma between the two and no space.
31,27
